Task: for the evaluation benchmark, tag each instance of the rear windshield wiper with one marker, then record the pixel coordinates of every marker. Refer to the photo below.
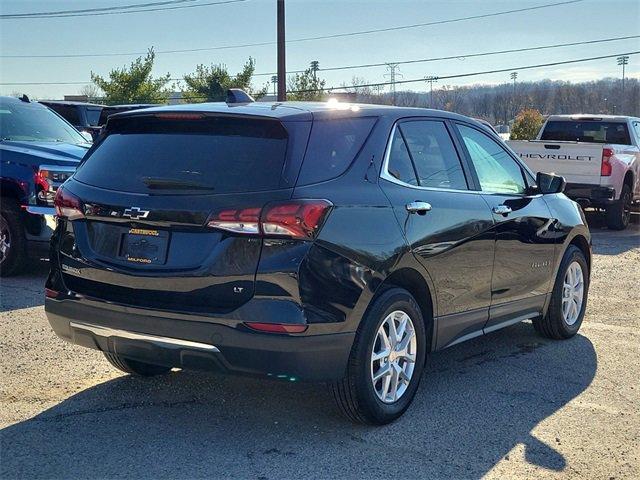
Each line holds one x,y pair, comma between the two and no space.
173,184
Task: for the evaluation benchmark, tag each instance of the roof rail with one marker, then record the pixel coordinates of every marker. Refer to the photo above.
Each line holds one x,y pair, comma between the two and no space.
237,95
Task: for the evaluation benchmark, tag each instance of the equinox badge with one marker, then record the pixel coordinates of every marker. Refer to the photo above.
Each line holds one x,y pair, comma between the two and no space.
135,213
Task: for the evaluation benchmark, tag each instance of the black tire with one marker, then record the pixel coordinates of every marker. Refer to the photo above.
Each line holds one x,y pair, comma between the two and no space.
135,367
355,394
619,213
13,243
553,324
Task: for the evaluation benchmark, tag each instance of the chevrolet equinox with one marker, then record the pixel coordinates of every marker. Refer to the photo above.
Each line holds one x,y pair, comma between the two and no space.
324,242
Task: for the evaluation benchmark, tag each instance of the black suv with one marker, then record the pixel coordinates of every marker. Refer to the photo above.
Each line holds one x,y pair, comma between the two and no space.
313,241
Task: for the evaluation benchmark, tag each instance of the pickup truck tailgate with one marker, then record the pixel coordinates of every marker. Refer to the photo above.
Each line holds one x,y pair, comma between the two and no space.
576,162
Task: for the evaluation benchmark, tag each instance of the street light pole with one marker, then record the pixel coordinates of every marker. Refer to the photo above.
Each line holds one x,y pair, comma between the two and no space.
282,63
623,60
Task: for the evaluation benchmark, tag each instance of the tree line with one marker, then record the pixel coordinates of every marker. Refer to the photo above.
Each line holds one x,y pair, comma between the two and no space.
498,104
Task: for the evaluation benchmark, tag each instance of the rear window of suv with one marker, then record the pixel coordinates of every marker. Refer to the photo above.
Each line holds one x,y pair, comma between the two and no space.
211,154
587,131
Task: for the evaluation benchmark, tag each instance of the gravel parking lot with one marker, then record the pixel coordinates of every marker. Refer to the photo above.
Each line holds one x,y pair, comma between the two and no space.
508,405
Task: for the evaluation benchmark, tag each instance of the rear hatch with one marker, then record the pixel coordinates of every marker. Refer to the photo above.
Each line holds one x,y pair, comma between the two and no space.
576,162
149,191
574,147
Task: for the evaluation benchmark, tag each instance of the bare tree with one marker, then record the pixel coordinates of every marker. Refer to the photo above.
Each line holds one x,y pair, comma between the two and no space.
91,91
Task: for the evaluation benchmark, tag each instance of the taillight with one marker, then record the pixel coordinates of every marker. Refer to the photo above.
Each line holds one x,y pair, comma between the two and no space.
245,220
295,219
40,179
605,166
68,205
276,327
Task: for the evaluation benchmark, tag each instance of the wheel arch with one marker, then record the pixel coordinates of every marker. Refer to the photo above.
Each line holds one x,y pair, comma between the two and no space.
581,242
628,180
414,282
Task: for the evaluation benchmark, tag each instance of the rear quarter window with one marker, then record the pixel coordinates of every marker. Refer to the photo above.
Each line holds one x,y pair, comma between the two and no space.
333,145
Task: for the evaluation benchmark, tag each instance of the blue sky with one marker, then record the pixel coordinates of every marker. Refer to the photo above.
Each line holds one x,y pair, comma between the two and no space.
254,21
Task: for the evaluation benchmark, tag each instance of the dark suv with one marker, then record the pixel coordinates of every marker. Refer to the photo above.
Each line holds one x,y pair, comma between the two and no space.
322,242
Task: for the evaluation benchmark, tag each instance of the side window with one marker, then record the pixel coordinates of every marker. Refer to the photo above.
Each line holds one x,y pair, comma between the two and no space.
434,157
497,171
332,147
400,165
69,113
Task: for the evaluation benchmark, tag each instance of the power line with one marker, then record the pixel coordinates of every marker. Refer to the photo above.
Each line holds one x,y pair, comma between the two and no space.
486,72
87,10
297,40
367,65
95,14
446,77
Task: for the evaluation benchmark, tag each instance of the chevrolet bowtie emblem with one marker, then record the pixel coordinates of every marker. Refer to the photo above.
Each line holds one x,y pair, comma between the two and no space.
134,213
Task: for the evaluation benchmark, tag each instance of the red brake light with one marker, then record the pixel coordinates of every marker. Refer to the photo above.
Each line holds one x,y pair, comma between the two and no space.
41,181
605,166
236,220
276,327
68,205
179,116
296,218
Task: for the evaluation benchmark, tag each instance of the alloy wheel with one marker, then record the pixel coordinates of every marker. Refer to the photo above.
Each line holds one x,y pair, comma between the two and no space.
572,293
393,356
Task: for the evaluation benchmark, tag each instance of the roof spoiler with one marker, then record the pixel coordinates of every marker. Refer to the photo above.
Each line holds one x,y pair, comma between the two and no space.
237,95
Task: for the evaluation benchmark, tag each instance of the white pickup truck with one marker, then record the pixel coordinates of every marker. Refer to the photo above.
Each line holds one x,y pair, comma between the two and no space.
598,155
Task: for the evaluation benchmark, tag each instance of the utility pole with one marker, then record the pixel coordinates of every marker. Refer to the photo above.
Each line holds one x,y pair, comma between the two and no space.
274,80
282,62
514,76
431,79
393,73
623,60
315,66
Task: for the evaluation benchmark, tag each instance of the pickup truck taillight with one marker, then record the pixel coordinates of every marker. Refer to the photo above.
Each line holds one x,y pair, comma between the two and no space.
68,205
605,166
294,219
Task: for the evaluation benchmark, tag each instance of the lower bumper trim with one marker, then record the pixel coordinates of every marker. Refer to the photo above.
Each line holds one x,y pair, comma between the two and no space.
107,332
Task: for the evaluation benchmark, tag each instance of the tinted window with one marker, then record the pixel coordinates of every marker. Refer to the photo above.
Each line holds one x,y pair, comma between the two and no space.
586,131
93,116
25,122
433,154
68,112
332,147
218,154
497,171
400,165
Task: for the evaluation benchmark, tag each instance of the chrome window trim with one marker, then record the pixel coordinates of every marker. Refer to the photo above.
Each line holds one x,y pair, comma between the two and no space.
385,175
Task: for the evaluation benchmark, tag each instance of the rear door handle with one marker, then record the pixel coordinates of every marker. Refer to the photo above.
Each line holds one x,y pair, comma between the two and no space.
502,210
418,207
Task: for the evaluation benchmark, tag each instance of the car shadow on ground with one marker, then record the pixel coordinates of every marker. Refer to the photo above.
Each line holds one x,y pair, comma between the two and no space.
26,289
476,403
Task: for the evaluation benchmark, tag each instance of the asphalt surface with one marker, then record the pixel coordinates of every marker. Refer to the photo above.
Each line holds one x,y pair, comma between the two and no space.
508,405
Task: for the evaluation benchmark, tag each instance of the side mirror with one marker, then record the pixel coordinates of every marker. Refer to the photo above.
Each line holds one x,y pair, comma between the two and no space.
550,183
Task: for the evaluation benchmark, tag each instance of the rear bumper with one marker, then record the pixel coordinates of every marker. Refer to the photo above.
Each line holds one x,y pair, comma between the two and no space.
590,195
201,345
